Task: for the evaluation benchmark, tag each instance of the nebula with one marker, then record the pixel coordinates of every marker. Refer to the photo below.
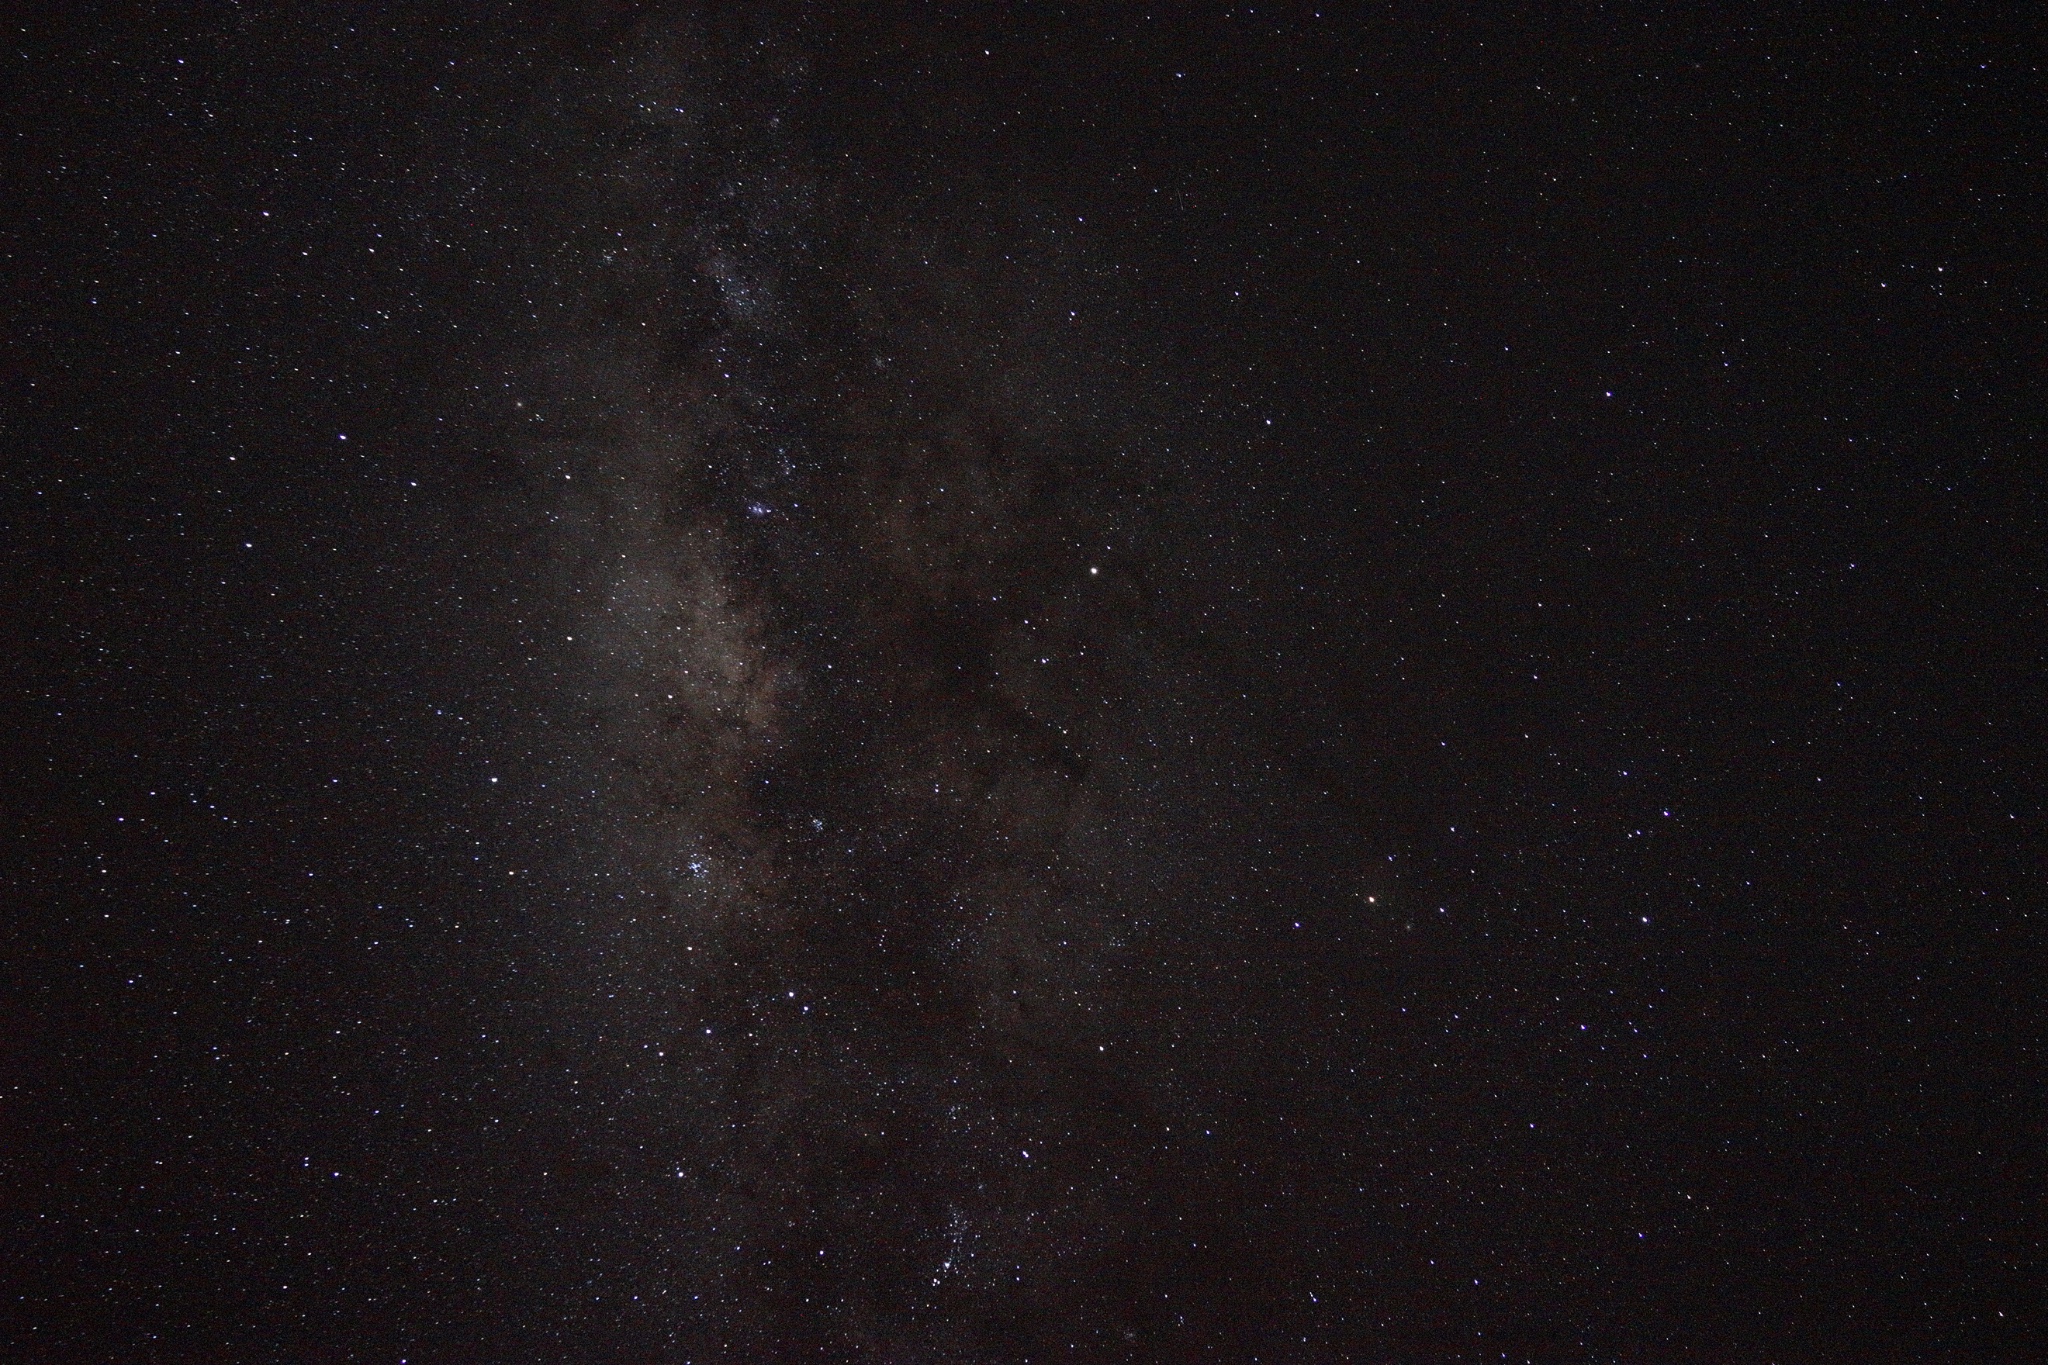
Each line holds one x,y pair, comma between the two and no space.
901,810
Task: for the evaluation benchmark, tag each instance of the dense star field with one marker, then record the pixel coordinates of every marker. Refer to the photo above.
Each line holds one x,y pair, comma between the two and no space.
998,683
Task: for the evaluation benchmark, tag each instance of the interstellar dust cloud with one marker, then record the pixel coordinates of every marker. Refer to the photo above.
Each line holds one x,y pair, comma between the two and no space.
891,812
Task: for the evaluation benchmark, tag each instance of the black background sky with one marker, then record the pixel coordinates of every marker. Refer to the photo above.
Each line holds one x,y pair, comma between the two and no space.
1520,836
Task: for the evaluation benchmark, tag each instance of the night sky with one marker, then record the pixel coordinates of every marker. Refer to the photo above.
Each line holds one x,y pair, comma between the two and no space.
1022,682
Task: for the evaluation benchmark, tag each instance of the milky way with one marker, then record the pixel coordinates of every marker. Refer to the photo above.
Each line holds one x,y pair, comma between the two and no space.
901,810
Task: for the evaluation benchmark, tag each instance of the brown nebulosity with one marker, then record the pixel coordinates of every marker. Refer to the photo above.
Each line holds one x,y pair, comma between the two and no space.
834,491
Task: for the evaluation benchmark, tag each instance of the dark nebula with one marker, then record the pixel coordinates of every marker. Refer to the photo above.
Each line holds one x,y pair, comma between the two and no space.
1017,683
909,814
